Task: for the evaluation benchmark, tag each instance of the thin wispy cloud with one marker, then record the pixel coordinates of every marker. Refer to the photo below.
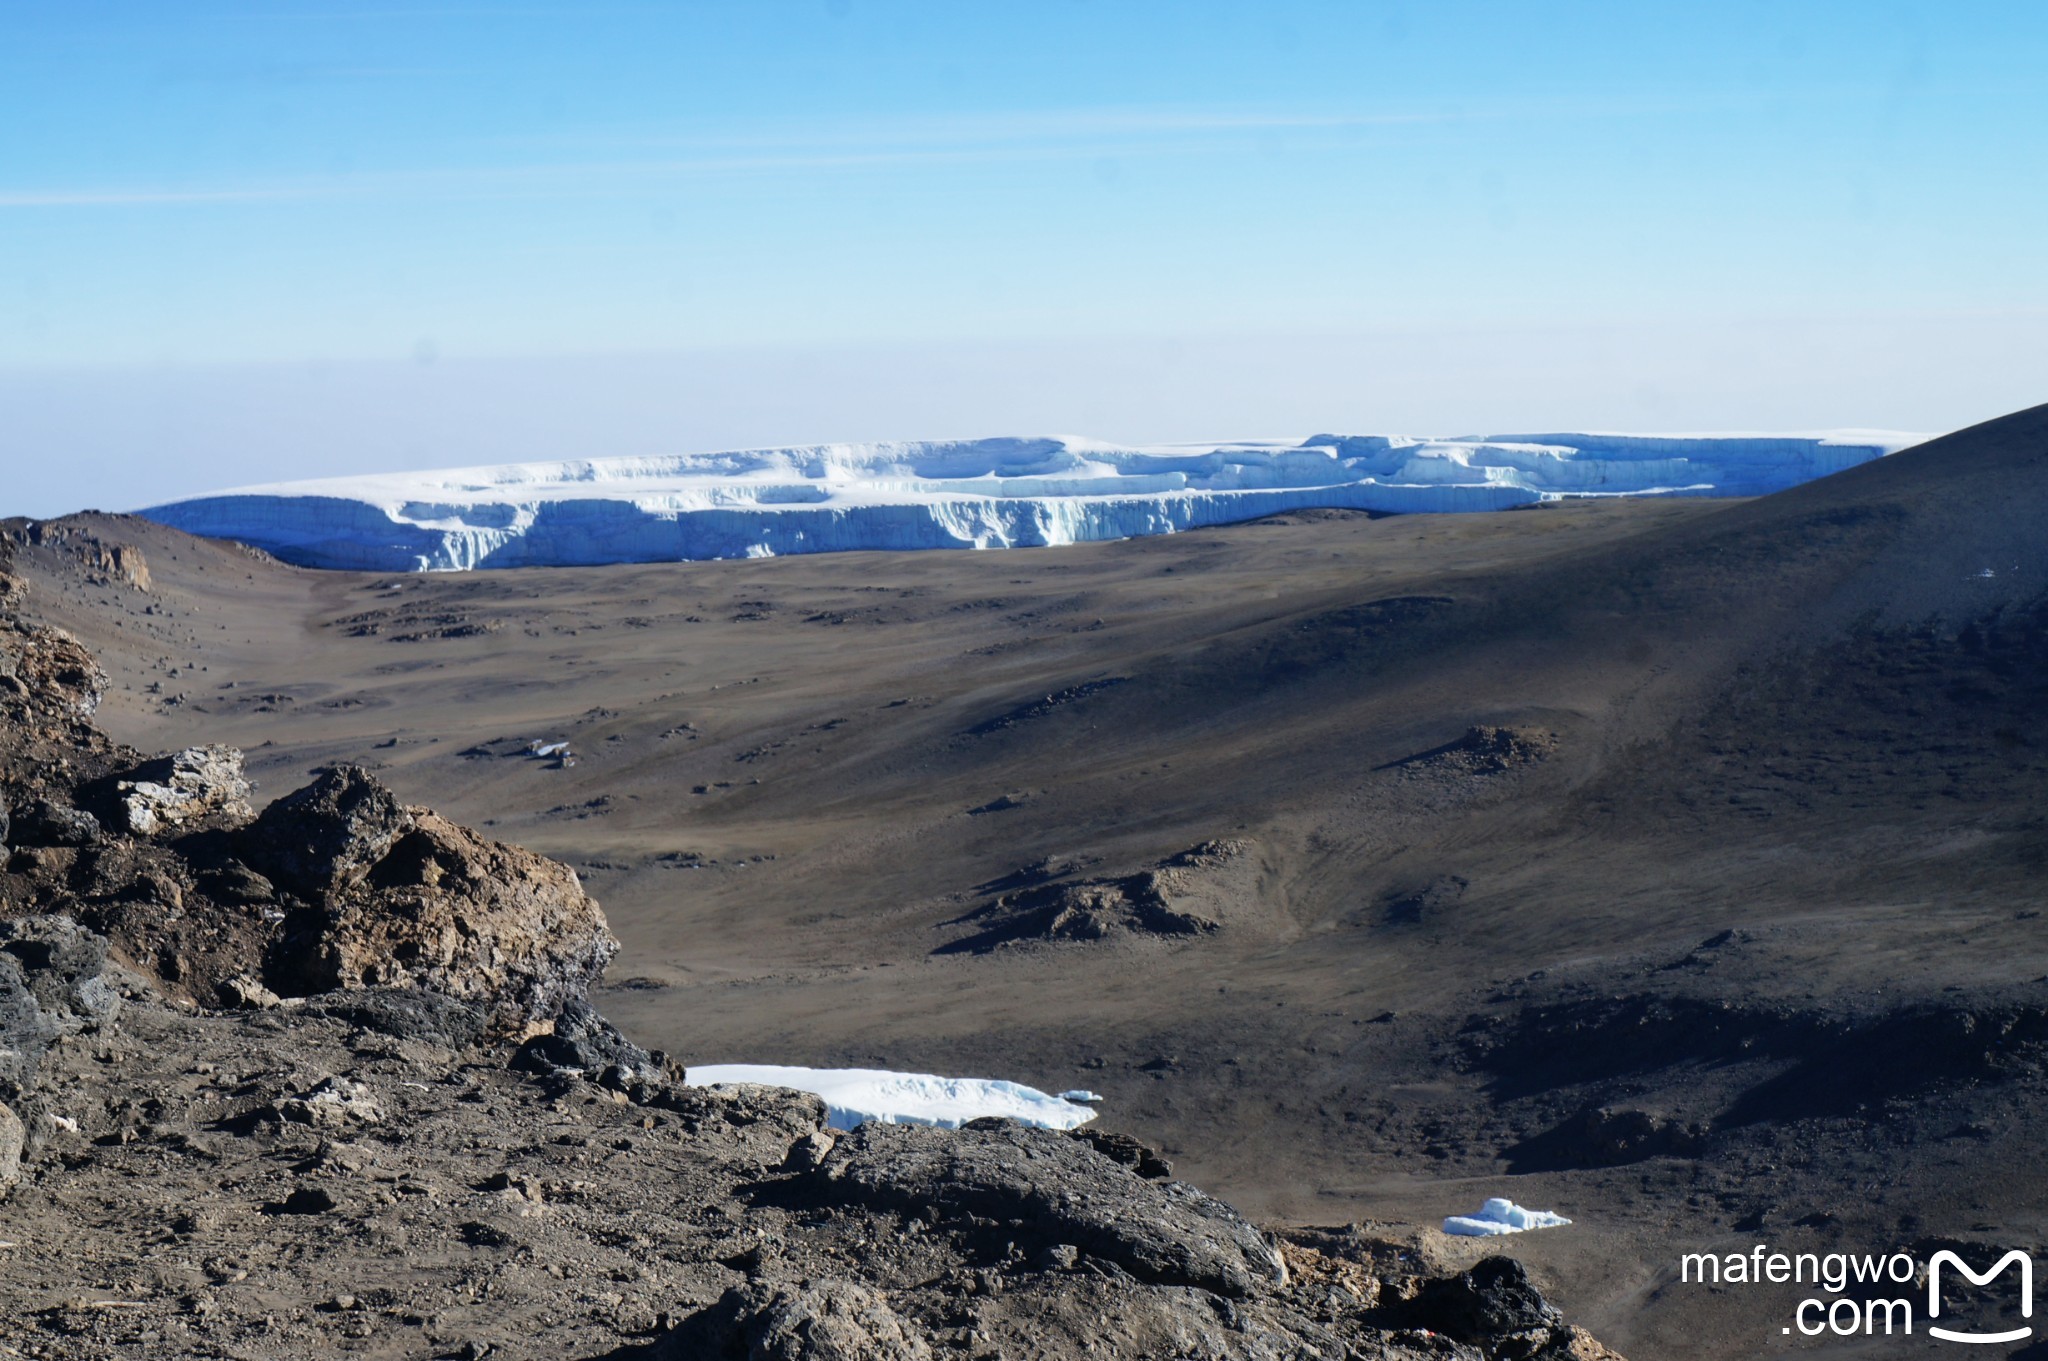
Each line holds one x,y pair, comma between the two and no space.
379,15
1054,135
932,141
1047,125
142,197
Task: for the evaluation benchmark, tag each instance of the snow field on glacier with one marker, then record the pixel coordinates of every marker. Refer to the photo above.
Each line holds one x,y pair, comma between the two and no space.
990,493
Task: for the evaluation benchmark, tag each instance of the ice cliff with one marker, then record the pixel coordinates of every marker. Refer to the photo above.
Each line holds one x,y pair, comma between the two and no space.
990,493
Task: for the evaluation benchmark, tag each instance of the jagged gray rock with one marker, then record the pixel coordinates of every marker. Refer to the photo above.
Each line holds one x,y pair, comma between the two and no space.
24,1031
332,1103
1047,1189
52,983
63,965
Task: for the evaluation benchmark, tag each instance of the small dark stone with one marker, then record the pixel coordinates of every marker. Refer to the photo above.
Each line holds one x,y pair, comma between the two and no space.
55,824
304,1200
235,882
481,1235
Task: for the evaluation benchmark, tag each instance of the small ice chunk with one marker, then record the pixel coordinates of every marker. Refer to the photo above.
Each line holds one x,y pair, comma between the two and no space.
1081,1094
1499,1216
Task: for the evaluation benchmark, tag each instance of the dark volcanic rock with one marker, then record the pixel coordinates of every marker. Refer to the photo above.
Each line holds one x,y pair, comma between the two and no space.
1486,750
327,835
583,1040
55,824
24,1031
51,984
1427,903
1148,903
1491,750
1495,1299
1047,1189
235,882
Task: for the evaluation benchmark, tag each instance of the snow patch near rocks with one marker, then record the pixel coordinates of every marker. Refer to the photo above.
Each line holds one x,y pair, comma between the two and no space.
855,1096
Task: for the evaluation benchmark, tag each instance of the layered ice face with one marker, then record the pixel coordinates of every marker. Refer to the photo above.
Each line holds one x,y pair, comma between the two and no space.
991,493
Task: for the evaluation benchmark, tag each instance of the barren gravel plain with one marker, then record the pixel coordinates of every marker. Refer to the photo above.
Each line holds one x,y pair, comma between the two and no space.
1677,865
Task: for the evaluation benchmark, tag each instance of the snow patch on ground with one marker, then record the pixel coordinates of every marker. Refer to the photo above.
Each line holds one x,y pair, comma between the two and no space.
990,493
1499,1216
854,1096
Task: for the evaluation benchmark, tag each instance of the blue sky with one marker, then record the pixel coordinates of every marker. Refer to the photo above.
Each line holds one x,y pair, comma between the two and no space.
242,241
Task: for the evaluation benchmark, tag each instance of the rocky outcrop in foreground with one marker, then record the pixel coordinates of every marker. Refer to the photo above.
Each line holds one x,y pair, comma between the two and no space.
323,1081
336,885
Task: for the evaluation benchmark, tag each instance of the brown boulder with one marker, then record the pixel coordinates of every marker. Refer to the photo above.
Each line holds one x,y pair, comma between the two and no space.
49,672
407,899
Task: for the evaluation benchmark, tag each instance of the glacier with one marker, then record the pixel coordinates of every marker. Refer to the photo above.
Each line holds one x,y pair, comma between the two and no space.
854,1096
984,493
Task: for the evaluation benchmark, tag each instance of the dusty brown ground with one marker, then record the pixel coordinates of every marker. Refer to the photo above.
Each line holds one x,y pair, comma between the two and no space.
1769,840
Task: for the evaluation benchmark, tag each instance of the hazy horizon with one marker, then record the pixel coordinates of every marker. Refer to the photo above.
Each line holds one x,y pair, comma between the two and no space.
272,242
